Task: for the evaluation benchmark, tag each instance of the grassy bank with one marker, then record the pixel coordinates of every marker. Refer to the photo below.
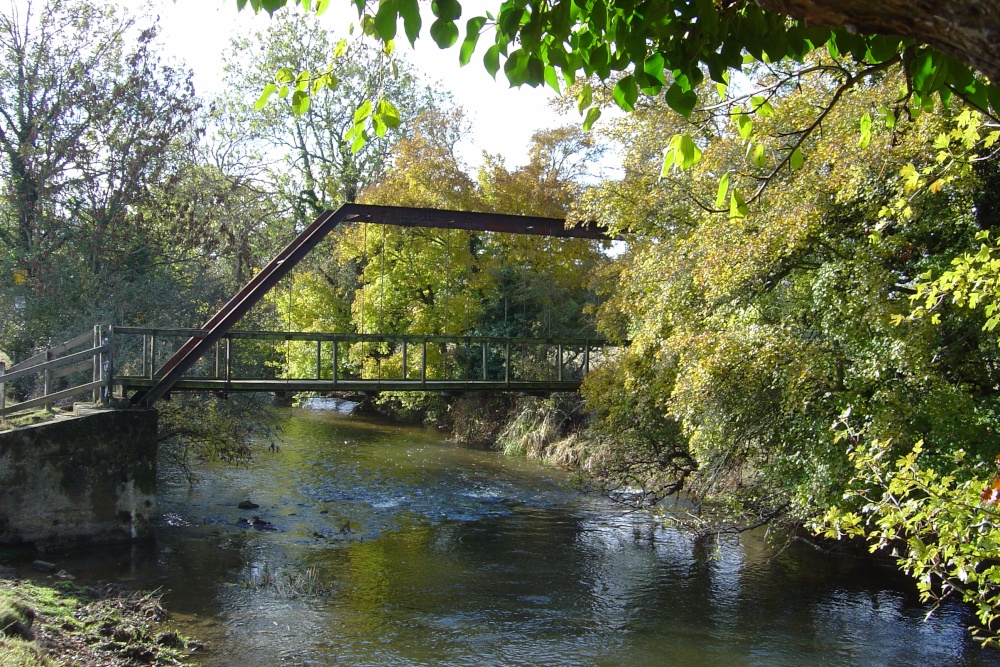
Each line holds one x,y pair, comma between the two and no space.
64,624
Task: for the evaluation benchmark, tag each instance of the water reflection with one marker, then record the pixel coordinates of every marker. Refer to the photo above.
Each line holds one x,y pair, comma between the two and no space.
436,555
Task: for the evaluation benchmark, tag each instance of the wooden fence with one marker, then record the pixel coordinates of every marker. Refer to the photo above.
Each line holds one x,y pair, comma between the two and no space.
86,370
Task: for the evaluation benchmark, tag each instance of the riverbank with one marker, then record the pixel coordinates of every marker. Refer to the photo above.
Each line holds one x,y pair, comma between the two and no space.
100,626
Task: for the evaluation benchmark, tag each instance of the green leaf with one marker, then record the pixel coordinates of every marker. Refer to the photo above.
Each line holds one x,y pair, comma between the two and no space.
491,60
340,49
592,115
889,118
552,78
302,80
380,126
584,99
737,206
412,22
922,71
362,112
444,32
745,125
760,105
284,75
831,46
866,131
669,159
720,198
271,6
447,10
681,101
385,20
653,68
993,94
269,90
759,155
796,160
300,102
883,48
472,30
360,139
687,152
516,68
626,93
387,113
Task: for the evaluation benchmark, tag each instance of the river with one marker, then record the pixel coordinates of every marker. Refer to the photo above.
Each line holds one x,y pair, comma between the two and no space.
378,544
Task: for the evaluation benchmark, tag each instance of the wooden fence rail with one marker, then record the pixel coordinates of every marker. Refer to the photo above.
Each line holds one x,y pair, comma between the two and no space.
54,363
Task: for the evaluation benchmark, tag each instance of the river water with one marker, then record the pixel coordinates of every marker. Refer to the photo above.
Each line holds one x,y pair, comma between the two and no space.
385,545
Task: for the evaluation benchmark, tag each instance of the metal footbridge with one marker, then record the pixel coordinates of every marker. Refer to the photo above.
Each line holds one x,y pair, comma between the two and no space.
146,364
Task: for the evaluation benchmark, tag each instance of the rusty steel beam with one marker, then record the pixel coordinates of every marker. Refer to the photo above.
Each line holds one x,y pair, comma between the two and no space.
238,306
477,222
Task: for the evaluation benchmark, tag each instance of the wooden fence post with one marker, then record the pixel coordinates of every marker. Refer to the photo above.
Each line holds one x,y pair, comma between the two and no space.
97,363
3,387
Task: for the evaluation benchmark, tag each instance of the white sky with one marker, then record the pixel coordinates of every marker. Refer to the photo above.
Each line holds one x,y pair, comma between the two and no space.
503,118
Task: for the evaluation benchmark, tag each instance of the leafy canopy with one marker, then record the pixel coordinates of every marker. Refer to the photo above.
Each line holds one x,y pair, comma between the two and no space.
651,48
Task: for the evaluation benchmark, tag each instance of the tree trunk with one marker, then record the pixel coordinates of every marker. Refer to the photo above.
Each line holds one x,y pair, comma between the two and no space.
967,30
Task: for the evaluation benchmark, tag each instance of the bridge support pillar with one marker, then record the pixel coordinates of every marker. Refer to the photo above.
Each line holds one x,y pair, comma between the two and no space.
84,480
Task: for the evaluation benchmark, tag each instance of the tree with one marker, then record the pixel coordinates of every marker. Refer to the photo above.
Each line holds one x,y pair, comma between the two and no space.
328,166
963,30
79,162
753,330
672,45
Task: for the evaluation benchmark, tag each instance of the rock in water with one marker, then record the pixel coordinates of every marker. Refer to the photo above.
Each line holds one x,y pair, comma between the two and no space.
247,505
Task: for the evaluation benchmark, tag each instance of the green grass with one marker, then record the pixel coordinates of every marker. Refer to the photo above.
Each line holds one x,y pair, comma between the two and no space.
43,626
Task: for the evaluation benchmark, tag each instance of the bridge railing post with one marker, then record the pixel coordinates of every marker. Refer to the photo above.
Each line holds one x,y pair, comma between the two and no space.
423,365
229,359
3,386
319,359
404,359
506,365
335,346
152,356
485,371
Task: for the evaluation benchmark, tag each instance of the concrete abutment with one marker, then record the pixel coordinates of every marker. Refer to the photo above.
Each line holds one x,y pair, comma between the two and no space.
78,481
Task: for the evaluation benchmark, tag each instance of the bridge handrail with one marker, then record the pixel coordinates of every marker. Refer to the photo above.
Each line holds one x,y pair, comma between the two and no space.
366,338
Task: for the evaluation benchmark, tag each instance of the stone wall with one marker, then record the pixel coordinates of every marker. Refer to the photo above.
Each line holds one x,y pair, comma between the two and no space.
82,480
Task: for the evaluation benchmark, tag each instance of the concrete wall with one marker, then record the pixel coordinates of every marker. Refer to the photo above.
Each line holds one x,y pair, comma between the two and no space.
82,480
